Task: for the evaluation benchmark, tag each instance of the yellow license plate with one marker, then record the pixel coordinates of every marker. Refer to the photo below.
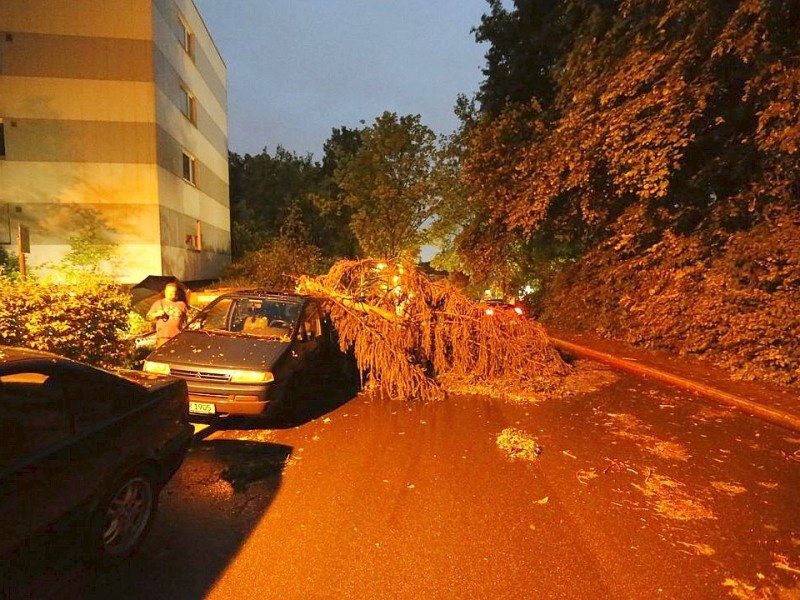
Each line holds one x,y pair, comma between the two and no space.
201,408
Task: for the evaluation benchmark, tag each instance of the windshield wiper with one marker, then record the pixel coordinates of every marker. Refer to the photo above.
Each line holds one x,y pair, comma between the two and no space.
217,331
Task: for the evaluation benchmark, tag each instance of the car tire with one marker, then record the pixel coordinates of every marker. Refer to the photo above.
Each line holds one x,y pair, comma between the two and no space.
124,516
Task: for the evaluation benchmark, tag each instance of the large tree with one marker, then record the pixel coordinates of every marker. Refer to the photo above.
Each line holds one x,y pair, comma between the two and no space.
666,151
285,196
523,46
685,109
388,184
334,213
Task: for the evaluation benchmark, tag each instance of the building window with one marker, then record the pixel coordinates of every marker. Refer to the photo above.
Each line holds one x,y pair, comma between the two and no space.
189,170
195,241
187,37
188,104
2,140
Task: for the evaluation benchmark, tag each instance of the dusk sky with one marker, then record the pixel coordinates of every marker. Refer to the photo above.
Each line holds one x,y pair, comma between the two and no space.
299,68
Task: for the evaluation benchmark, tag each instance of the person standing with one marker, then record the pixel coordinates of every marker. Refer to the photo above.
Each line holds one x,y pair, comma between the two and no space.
169,313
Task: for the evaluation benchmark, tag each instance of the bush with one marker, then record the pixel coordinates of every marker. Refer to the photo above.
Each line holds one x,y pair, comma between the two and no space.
84,321
735,302
276,266
9,265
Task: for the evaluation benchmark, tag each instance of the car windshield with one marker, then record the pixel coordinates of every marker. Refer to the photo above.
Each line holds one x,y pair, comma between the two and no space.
271,318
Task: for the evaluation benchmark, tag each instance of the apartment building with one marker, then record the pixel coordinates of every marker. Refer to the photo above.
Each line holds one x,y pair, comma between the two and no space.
113,128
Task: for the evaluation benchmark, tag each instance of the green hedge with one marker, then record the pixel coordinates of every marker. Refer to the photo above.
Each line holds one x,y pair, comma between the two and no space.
86,321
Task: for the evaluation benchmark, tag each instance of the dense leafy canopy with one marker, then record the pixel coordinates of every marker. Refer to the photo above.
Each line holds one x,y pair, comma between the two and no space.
289,196
647,135
678,106
389,185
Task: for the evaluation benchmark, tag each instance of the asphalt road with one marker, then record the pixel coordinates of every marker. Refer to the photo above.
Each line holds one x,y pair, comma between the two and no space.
638,491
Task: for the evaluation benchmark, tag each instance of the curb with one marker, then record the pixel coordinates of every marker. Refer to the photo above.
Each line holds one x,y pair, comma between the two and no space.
776,417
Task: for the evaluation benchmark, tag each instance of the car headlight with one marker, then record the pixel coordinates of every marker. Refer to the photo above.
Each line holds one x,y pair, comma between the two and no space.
151,366
252,377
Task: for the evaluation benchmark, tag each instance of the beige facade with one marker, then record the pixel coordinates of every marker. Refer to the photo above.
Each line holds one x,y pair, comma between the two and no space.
113,123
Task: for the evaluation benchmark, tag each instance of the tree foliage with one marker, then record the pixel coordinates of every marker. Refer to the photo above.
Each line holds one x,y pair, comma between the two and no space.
524,43
417,338
655,128
275,266
85,320
388,184
737,307
682,107
284,195
9,264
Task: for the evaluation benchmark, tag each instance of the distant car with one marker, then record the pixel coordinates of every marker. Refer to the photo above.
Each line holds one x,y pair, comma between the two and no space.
85,448
498,306
248,353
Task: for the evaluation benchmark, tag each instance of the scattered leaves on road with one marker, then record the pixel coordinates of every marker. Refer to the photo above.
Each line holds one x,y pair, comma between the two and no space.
243,435
589,377
728,488
629,427
741,590
518,444
699,549
670,500
711,413
782,563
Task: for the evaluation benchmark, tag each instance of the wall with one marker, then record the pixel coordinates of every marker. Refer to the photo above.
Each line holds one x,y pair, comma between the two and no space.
89,95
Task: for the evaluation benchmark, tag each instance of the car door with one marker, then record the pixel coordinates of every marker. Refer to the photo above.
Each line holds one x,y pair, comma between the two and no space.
37,475
308,341
98,404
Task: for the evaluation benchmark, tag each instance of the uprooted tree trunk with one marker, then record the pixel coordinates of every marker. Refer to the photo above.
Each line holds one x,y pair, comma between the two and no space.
416,338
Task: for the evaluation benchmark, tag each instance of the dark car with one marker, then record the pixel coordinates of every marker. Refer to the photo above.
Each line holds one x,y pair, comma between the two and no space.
494,306
246,350
84,449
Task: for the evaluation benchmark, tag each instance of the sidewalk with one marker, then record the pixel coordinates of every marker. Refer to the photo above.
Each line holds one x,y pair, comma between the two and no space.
772,403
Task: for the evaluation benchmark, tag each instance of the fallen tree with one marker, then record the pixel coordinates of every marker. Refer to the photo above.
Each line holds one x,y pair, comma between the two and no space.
417,338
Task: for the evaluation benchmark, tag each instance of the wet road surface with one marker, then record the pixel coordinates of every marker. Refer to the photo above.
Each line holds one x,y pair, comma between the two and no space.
639,491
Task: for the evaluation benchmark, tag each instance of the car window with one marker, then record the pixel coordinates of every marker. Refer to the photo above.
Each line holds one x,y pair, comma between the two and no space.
246,310
265,317
96,401
217,316
33,415
269,317
311,327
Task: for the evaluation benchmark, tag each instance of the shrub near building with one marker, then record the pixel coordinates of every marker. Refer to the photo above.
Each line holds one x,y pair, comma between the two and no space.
84,321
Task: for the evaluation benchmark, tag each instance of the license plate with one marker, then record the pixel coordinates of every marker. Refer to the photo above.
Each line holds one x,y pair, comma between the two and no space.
201,408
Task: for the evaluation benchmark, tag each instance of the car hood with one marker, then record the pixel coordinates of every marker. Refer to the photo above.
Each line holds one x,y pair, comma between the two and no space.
221,351
150,381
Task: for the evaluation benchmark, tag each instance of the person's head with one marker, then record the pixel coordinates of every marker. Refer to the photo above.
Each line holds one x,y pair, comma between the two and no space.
171,291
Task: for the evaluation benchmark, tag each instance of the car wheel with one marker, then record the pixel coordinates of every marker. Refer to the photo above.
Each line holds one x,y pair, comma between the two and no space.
123,518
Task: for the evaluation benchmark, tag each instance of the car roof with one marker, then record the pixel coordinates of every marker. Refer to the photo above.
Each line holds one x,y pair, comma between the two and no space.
261,293
16,354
